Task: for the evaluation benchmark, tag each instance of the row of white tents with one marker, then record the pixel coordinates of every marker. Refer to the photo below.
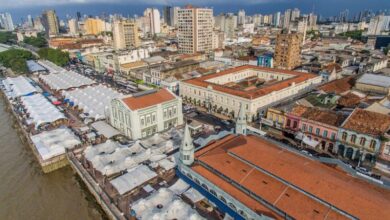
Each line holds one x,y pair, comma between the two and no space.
93,100
18,86
40,110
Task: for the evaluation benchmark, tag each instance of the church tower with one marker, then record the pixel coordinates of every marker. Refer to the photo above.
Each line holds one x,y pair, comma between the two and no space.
241,121
187,148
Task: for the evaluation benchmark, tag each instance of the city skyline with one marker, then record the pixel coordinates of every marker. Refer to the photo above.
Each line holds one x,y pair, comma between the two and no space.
131,8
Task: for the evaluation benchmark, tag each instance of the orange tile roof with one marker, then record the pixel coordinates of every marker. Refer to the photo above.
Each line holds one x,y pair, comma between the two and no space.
315,114
345,192
255,93
339,85
161,96
135,64
349,100
367,122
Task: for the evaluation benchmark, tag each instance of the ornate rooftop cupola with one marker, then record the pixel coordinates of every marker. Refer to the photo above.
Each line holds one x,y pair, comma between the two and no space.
241,121
187,148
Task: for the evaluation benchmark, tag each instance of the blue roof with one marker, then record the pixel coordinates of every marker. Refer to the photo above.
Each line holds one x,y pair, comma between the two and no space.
34,66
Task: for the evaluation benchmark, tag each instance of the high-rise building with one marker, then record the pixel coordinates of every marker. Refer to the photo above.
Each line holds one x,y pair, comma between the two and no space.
302,27
50,22
30,21
6,21
295,14
125,34
378,24
276,19
73,26
288,50
312,21
167,15
287,17
153,18
226,23
195,29
241,17
94,26
174,12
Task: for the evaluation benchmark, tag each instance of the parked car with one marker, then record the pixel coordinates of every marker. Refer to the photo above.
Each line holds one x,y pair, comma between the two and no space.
363,170
306,152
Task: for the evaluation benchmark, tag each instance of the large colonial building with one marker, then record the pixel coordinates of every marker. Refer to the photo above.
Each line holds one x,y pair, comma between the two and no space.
255,87
251,178
146,113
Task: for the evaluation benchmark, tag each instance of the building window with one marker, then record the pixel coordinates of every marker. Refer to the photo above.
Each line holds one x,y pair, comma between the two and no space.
333,136
288,122
353,138
303,127
142,122
362,141
310,129
344,136
325,134
317,131
295,124
372,144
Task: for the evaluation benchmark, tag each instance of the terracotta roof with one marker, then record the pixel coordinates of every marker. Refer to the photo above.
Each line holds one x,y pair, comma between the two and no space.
323,116
298,110
339,85
330,67
144,101
367,122
349,100
132,65
255,93
345,192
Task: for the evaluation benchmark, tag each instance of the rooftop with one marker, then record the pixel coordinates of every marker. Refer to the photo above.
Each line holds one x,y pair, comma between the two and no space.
300,187
367,122
323,116
151,98
298,77
339,85
374,79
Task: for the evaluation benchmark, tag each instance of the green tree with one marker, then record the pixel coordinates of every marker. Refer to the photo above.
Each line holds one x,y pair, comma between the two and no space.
38,41
16,59
7,37
357,35
56,56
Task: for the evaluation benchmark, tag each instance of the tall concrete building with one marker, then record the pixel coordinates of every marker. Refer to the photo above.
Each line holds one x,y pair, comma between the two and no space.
241,17
288,50
195,29
226,23
312,22
125,34
174,16
73,26
378,24
167,15
295,14
6,21
50,22
287,17
153,18
276,19
94,26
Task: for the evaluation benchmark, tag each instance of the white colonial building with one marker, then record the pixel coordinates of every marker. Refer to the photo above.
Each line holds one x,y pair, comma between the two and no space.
143,114
255,87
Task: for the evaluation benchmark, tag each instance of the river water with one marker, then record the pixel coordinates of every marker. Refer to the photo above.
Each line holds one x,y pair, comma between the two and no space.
27,193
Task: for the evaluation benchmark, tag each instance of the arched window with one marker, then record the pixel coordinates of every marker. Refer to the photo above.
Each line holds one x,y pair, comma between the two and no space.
222,199
204,186
344,136
213,192
362,141
232,206
372,144
353,138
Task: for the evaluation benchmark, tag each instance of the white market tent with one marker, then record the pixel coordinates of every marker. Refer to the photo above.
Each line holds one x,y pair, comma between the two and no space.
94,100
105,129
65,80
134,178
18,86
193,195
51,67
109,158
41,111
53,143
164,204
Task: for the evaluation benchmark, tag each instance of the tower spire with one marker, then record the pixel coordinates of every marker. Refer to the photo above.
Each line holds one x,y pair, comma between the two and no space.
241,121
187,148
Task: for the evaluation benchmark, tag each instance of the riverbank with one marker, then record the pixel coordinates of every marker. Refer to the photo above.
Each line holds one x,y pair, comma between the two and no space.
26,192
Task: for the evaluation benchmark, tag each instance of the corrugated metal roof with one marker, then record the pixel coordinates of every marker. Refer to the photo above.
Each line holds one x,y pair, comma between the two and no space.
373,79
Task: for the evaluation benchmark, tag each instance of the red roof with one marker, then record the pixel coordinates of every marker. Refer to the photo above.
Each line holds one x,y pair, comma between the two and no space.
148,100
255,93
250,161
